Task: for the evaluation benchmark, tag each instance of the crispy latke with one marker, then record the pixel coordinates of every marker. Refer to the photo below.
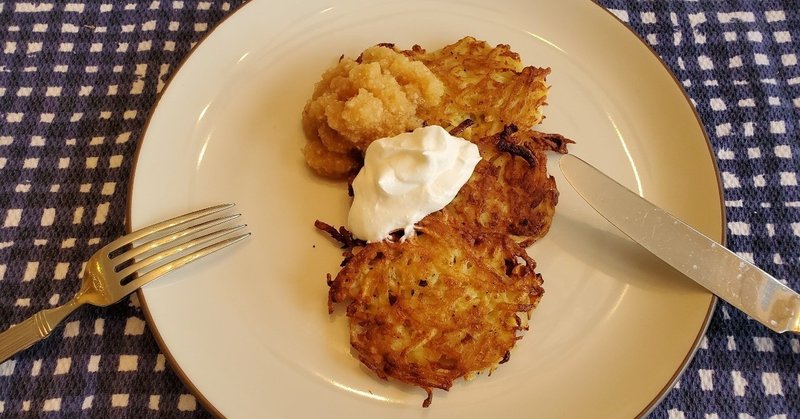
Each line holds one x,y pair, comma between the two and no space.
441,305
448,303
510,191
488,85
387,91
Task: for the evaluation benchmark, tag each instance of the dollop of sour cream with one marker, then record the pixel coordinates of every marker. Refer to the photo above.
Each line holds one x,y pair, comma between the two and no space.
407,177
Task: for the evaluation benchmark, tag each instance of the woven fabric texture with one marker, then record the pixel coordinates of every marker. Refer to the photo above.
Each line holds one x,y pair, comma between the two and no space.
78,80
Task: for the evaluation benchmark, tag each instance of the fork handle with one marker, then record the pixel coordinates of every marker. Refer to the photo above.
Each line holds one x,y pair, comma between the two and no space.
33,329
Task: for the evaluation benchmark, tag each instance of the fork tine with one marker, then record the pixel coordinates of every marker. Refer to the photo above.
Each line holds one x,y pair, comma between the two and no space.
143,280
145,247
174,250
172,222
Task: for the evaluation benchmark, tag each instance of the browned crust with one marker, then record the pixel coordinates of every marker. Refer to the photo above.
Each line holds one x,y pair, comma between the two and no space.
510,190
485,84
449,302
442,305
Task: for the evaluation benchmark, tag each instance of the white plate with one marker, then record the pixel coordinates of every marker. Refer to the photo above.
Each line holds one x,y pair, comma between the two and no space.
249,330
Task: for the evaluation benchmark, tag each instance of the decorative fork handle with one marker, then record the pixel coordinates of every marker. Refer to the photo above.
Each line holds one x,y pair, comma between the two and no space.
33,329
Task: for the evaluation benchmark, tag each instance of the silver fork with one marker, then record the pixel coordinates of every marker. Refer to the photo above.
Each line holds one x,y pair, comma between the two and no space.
112,272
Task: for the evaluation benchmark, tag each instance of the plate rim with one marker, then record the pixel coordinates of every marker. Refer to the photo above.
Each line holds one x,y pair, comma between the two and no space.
150,322
723,219
206,403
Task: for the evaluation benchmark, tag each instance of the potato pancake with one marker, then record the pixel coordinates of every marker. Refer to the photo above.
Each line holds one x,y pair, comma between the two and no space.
441,305
386,91
510,191
451,301
487,85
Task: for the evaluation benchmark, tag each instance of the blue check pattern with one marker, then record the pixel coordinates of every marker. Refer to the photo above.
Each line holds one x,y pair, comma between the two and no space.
78,79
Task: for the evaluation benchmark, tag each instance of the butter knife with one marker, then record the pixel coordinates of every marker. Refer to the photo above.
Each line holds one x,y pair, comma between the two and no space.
728,276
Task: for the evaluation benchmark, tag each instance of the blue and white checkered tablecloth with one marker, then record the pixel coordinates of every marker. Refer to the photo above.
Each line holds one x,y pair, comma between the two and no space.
78,79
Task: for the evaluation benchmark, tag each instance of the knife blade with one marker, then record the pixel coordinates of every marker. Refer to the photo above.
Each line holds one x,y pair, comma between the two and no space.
728,276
